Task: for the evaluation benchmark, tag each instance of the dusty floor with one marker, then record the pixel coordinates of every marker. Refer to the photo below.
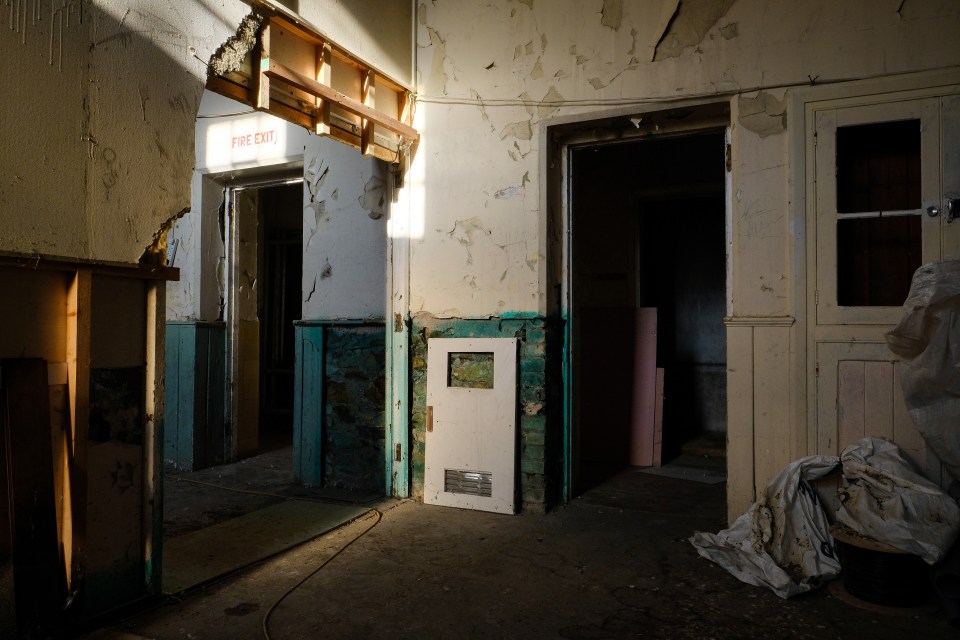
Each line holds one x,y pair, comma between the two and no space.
614,563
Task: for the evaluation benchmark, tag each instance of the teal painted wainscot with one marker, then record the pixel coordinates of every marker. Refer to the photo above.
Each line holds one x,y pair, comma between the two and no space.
540,437
339,404
195,434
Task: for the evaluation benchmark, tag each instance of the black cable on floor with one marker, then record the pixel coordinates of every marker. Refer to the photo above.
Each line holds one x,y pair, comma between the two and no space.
266,616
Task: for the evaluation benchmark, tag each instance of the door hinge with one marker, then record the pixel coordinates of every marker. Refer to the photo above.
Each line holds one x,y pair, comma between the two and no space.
430,418
816,296
398,456
729,158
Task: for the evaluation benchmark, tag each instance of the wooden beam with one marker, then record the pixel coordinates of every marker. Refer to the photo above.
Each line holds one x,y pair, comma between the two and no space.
368,89
260,88
121,269
78,329
322,119
276,71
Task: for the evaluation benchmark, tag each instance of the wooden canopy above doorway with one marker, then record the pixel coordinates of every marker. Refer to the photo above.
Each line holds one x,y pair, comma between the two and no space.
296,74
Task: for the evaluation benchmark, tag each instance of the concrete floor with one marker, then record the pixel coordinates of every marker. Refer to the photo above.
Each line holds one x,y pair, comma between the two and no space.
615,563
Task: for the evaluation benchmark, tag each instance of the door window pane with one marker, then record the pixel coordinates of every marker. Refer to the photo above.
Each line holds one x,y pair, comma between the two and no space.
876,258
878,167
878,172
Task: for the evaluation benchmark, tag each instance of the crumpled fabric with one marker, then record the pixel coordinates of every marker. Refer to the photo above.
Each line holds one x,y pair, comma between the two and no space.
927,339
782,542
883,497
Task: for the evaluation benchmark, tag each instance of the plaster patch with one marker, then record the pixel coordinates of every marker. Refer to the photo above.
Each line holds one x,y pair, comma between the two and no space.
612,14
689,25
229,57
730,31
551,102
537,72
520,130
509,192
374,197
763,115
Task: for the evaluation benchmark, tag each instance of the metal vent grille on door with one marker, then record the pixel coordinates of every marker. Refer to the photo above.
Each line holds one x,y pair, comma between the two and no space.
473,483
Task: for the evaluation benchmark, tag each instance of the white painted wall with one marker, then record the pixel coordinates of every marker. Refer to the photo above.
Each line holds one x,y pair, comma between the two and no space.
346,202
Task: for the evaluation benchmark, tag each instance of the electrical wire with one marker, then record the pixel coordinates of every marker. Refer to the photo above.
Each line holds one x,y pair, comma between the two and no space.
266,617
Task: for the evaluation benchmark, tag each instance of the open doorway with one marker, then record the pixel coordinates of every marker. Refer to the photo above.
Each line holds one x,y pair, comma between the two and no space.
280,218
264,265
648,298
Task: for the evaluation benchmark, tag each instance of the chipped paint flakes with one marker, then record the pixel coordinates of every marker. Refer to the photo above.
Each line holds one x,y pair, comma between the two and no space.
612,14
374,197
689,25
522,130
763,114
552,101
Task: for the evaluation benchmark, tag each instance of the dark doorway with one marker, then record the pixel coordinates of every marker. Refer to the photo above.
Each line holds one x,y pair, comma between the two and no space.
279,305
648,257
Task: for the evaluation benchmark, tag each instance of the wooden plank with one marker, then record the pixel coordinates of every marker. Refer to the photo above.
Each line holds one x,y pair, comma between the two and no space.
34,262
368,90
79,320
275,70
260,88
39,578
772,439
305,33
644,383
308,406
322,119
878,399
905,433
850,427
154,405
740,426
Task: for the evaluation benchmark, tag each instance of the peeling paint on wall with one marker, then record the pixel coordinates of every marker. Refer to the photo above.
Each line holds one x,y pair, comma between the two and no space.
763,114
689,26
374,197
521,130
612,14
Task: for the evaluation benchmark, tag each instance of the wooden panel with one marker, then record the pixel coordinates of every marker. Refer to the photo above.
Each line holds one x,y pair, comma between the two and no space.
308,405
644,396
740,445
772,438
36,329
878,399
119,315
78,330
850,427
38,575
905,433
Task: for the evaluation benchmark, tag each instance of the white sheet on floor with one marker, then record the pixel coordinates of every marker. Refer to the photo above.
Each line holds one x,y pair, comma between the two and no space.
782,542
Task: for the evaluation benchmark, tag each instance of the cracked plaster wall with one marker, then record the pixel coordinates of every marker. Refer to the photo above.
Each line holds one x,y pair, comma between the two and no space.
99,102
484,242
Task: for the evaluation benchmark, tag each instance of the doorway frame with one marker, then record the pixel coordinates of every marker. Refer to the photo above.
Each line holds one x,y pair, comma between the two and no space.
559,137
259,177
